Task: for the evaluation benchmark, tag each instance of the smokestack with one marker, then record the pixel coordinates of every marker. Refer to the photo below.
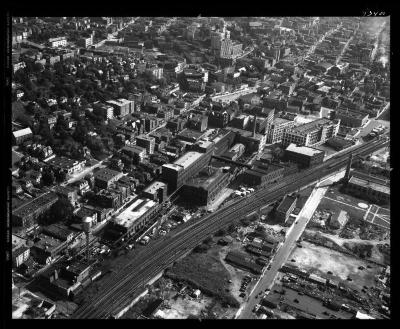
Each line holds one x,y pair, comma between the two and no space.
347,175
254,125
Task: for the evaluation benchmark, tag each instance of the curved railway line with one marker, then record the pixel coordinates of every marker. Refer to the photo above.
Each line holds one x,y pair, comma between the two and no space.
129,282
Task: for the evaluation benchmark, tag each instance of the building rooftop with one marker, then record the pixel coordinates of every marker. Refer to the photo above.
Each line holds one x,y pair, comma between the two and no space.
119,102
136,210
63,162
107,174
310,126
309,151
22,132
34,204
152,188
286,203
58,231
369,184
134,148
47,242
205,178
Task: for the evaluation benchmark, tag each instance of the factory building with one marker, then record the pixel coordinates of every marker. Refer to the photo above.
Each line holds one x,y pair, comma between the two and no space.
311,134
304,156
176,174
285,208
156,191
26,214
367,186
275,131
134,218
202,188
263,173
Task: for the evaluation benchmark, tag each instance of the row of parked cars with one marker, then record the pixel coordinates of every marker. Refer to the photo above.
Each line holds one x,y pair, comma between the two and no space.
246,280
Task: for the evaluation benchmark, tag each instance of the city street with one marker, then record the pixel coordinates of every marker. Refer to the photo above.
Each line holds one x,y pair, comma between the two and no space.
267,280
85,171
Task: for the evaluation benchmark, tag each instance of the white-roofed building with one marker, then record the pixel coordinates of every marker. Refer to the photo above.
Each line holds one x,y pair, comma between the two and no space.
176,174
157,191
304,156
21,135
135,217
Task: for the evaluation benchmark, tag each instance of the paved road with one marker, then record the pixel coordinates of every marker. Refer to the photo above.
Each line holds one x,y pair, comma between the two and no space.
86,171
284,251
236,94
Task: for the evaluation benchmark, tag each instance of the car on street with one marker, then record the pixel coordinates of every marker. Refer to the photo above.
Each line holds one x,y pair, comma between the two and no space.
296,300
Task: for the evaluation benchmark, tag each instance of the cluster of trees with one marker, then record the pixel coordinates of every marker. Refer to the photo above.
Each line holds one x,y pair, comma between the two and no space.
62,210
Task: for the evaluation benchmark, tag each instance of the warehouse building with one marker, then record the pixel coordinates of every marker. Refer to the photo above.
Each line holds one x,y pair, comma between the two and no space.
369,187
311,134
263,173
351,118
157,191
276,129
26,214
104,177
304,156
134,218
177,174
205,186
285,208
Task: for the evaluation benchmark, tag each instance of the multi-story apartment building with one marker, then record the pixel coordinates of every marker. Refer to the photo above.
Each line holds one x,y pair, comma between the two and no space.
146,142
122,106
58,42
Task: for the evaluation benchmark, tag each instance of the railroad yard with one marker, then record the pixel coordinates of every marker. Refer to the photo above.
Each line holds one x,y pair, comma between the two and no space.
220,298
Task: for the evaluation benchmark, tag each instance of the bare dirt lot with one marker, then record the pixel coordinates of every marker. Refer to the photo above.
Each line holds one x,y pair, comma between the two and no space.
320,260
184,307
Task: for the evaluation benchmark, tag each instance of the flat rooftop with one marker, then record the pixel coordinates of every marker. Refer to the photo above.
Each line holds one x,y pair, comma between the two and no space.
154,187
309,151
368,184
106,174
185,160
308,127
203,179
280,121
134,212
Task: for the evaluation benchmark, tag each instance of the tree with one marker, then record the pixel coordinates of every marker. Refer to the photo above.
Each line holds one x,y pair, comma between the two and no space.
221,232
60,176
48,177
208,240
61,210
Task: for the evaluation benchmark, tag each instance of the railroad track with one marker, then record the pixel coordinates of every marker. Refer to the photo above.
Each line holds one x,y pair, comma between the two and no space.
120,289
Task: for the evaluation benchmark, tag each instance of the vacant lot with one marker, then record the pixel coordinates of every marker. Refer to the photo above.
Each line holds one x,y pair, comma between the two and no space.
335,201
205,272
320,260
184,307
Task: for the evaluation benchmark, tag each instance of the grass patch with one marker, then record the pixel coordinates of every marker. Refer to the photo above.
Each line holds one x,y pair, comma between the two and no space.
205,272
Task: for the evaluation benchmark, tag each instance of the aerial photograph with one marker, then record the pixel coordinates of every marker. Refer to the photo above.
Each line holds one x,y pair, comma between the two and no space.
199,167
